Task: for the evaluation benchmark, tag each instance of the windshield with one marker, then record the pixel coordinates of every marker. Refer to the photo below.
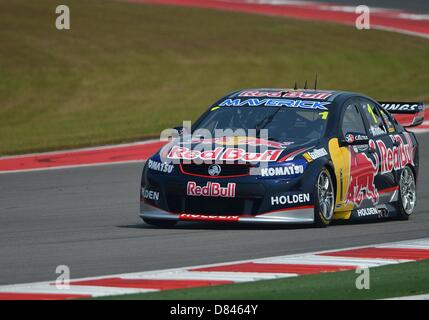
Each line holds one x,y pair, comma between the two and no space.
283,124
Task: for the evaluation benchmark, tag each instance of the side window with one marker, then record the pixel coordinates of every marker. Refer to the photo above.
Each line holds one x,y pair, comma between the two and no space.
352,121
375,121
388,121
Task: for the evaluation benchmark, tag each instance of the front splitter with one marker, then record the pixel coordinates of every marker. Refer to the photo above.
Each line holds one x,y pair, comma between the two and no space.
298,215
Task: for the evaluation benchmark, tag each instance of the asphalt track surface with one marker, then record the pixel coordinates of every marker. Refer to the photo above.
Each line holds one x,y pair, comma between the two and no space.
420,6
86,218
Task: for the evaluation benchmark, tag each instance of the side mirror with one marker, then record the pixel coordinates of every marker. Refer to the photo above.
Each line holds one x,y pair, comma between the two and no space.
354,139
179,130
171,133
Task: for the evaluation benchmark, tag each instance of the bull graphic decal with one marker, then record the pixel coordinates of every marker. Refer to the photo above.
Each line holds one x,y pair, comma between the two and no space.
363,170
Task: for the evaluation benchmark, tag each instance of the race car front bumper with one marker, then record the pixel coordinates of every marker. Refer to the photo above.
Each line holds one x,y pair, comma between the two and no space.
296,215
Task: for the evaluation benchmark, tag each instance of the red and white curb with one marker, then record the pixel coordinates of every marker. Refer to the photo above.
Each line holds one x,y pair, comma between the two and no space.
224,273
414,24
86,157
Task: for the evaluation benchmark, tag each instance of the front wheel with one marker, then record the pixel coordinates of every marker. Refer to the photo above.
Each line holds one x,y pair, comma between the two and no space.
407,194
324,199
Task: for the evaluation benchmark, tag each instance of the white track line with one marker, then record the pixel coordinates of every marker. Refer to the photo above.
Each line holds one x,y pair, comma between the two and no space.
401,31
341,261
418,297
418,244
212,275
74,166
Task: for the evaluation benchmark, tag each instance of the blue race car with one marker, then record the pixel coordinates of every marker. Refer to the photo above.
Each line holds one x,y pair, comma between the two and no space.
286,156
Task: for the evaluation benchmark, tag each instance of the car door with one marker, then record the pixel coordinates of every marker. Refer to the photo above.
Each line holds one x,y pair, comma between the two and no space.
382,132
360,174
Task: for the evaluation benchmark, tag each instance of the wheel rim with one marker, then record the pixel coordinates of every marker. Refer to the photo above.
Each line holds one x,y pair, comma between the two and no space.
326,195
408,190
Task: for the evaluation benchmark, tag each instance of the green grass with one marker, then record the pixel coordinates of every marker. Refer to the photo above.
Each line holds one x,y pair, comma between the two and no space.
404,279
127,71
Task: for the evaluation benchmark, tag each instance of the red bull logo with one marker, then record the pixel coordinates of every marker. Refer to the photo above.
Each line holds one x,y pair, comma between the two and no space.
211,189
287,94
363,169
397,157
362,175
223,154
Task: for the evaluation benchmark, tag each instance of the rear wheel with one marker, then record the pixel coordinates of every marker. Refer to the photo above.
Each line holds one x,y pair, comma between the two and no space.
324,199
407,193
160,223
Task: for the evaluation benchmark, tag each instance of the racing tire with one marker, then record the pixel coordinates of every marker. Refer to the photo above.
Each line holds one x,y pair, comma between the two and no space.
324,199
407,194
160,223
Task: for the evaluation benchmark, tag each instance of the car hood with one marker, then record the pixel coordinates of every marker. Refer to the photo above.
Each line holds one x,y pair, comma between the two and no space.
233,149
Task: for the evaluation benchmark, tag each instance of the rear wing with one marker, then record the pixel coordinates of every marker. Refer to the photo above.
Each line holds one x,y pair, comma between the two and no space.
408,114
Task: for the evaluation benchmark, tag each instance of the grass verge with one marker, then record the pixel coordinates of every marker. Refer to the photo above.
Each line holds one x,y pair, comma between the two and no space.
411,278
127,71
